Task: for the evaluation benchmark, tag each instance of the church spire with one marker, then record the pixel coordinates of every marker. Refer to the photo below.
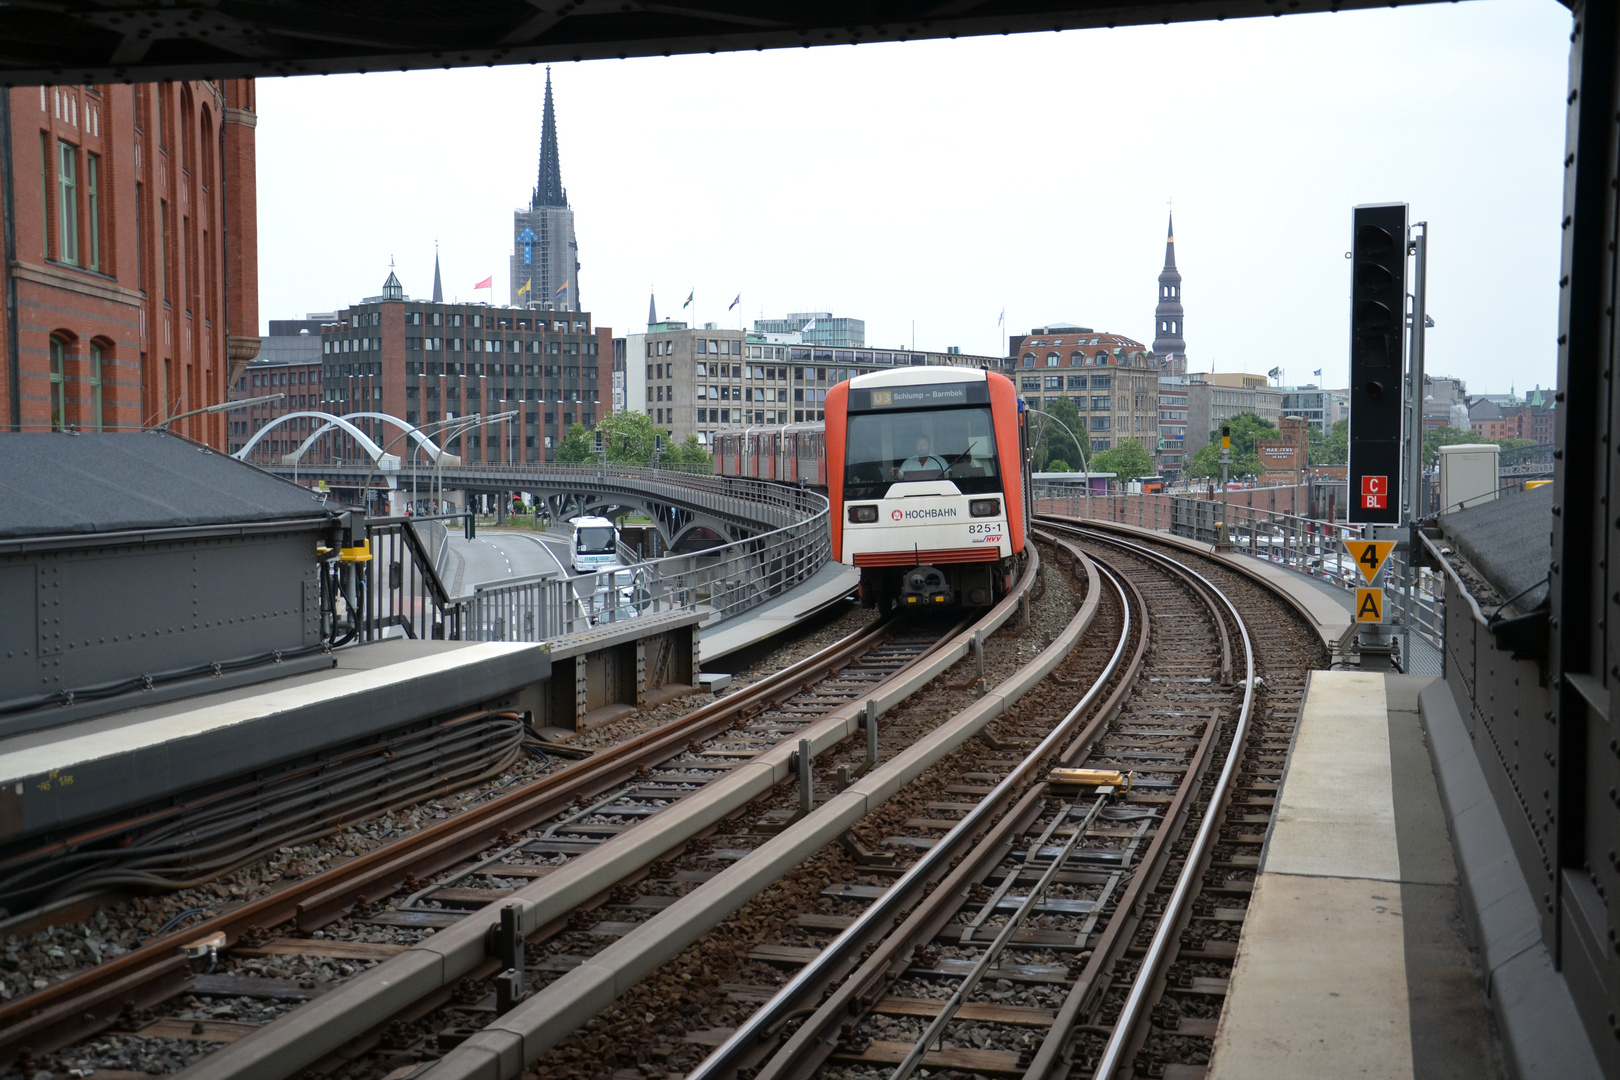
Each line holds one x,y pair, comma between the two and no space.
1168,344
652,309
549,191
438,283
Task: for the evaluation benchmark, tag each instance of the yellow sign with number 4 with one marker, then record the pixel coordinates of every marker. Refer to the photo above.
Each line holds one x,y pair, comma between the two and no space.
1370,556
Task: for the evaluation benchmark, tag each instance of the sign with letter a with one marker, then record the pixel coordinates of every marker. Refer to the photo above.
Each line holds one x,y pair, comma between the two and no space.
1369,605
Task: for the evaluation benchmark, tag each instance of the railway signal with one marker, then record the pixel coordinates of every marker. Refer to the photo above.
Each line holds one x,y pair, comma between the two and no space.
1377,325
1369,556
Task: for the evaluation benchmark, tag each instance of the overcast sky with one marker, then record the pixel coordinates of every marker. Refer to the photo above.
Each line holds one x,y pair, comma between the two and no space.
935,184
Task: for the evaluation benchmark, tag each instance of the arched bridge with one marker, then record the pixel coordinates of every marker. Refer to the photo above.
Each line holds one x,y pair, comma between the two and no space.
678,503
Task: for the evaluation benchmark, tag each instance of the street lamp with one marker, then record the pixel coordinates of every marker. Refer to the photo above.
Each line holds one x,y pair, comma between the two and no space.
1085,467
365,485
448,434
221,407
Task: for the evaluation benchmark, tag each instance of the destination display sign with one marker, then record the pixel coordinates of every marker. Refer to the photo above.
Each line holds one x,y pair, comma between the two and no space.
923,396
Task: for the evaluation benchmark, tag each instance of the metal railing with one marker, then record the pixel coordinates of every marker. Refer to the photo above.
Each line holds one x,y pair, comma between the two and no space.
406,591
1302,544
403,588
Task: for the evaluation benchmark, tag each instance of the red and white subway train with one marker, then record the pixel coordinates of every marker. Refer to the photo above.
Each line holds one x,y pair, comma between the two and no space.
796,453
927,470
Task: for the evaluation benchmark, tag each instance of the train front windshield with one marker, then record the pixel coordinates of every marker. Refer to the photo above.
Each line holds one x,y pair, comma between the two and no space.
885,448
595,540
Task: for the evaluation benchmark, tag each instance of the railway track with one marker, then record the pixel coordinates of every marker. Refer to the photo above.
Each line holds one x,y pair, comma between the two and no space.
978,911
446,868
1090,931
559,849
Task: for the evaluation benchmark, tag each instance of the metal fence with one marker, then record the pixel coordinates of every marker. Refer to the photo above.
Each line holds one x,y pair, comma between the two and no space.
403,589
1308,546
406,591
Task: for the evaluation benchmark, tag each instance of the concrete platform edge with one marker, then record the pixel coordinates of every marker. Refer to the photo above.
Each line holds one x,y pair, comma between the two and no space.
1541,1031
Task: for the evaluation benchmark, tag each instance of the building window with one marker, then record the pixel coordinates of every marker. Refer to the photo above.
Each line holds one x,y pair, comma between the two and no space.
95,387
58,385
92,178
1052,359
163,246
67,211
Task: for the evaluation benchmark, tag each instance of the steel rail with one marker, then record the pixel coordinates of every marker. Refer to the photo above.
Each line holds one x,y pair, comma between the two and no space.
1015,922
883,912
800,1055
358,1011
90,1001
1045,1058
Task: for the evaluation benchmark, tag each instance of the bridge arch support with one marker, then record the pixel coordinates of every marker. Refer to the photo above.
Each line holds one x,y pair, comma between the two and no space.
384,461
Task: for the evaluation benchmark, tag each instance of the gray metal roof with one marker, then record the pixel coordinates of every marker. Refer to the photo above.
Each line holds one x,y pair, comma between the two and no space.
1508,540
73,484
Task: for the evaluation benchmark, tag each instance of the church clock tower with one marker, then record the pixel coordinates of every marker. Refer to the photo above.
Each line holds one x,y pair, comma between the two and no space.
1168,344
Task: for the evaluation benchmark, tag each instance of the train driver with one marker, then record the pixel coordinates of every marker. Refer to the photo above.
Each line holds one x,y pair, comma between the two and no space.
923,462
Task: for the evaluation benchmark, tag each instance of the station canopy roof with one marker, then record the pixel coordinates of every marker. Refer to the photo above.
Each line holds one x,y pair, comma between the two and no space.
103,41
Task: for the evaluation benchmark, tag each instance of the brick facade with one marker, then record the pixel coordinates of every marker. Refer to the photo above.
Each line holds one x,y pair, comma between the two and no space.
131,282
424,363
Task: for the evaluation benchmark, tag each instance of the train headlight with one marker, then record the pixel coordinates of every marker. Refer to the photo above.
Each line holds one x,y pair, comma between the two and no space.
984,507
863,515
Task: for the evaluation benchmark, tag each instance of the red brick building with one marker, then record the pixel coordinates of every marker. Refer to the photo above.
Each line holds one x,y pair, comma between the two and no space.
427,362
131,254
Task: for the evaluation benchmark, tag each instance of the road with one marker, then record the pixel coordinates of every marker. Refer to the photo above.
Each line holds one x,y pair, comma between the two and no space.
497,556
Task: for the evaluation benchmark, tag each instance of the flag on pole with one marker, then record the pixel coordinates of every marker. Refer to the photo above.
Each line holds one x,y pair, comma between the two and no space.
526,285
1001,319
735,302
809,326
1318,371
689,299
1274,372
487,283
560,288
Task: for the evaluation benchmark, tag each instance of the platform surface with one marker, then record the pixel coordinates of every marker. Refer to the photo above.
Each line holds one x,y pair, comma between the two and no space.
80,771
826,586
1353,960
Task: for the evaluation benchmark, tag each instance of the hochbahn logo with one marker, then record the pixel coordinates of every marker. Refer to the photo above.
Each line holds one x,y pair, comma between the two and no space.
919,515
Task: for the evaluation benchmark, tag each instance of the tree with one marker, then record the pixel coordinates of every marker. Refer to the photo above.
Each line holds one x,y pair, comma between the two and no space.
690,452
1051,441
1246,429
577,446
1332,448
1058,465
629,437
1127,461
1512,450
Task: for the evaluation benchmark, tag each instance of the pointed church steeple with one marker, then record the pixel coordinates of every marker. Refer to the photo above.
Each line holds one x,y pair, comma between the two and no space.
549,191
438,283
652,309
1168,343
